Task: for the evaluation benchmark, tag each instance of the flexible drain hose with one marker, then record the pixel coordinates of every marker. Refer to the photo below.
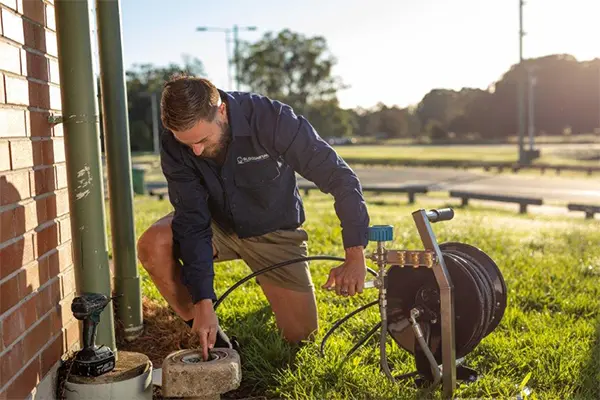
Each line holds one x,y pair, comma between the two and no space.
280,265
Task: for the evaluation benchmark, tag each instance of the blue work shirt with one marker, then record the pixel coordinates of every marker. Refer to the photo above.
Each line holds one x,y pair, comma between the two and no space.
255,191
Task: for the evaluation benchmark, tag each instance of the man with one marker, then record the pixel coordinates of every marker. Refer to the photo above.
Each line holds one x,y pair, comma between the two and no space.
230,161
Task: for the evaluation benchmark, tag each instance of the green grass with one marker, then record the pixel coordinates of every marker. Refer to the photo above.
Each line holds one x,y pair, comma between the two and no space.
475,153
549,339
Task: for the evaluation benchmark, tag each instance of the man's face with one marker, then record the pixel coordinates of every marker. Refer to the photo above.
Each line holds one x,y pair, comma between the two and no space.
207,139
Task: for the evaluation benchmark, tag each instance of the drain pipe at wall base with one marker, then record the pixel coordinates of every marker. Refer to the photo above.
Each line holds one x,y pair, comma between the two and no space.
82,153
118,161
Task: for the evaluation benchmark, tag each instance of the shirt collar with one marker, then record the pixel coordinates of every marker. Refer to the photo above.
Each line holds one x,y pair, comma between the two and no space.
237,120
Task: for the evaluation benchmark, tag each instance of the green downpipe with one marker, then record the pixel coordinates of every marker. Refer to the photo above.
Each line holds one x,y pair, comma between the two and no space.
118,160
82,152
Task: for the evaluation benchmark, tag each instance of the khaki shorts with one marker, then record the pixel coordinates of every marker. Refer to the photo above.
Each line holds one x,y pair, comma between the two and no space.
263,251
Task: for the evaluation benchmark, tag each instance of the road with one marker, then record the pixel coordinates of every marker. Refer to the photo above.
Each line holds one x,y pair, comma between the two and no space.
554,189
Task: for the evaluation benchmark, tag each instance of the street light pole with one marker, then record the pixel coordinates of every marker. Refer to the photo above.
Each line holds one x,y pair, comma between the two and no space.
521,87
235,30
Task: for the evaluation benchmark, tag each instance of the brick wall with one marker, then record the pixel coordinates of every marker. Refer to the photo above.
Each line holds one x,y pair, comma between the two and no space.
36,270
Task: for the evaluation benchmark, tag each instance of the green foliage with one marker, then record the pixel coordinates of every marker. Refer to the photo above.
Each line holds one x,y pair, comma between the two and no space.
290,67
144,80
548,341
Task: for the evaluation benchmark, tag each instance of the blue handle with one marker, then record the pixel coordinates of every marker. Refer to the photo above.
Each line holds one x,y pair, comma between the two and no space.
381,233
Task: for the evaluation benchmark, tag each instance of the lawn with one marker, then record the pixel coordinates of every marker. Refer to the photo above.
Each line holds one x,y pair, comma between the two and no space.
548,341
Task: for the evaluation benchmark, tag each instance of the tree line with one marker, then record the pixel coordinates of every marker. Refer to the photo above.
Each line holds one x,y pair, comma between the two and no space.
297,69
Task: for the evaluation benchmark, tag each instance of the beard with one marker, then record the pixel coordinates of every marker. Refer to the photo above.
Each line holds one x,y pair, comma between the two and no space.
218,151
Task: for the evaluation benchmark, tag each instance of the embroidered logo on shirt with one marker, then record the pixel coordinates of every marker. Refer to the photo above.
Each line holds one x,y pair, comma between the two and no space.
244,160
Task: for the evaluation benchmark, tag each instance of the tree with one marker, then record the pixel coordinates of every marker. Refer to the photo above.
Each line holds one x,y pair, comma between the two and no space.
289,67
144,80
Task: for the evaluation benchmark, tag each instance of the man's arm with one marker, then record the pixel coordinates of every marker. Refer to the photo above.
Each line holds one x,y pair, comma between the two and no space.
192,235
297,141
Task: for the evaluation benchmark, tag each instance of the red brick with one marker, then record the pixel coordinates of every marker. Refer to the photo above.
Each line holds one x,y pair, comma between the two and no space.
42,268
12,123
34,36
26,382
4,156
37,66
12,25
72,333
10,58
65,230
14,223
14,187
21,153
24,70
54,151
2,92
12,4
62,203
55,321
10,293
48,297
15,255
51,44
39,95
65,257
68,282
58,130
55,99
19,320
17,90
53,262
37,124
34,10
61,176
37,338
50,18
11,363
54,72
47,239
31,278
51,355
42,181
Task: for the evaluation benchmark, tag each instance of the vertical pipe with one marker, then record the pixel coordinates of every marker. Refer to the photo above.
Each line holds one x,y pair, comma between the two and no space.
521,88
236,57
82,152
530,112
116,134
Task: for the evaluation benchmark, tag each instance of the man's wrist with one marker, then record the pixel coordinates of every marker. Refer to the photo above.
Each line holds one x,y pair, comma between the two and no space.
355,252
203,303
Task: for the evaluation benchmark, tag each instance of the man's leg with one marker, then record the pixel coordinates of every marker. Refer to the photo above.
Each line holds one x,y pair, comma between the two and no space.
289,290
155,252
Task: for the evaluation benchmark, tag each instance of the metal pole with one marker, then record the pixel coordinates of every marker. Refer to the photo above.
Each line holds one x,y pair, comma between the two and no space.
155,123
116,129
442,277
236,56
82,153
530,113
228,47
521,87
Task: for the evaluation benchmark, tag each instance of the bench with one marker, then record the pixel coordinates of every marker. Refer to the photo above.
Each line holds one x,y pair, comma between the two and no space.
589,209
157,189
522,201
411,190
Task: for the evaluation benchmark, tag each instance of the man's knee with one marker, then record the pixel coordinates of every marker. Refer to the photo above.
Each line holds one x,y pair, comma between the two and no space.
155,242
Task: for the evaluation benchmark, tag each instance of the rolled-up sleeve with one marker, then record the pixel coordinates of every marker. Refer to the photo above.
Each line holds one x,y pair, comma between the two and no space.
192,234
297,141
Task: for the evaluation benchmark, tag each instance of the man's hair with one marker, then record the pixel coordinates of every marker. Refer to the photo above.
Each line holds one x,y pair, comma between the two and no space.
187,100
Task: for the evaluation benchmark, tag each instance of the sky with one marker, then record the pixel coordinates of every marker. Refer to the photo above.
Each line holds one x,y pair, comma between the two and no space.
392,51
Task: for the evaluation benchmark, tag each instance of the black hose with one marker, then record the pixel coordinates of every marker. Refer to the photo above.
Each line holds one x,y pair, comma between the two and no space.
279,265
364,339
342,320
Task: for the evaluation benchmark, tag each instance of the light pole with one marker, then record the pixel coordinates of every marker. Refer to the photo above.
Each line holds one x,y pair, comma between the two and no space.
155,120
235,30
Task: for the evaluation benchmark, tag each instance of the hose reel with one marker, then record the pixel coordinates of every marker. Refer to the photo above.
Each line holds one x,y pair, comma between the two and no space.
437,303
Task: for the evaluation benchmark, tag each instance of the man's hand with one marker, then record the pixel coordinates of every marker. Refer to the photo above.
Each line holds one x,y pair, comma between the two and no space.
349,278
205,325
